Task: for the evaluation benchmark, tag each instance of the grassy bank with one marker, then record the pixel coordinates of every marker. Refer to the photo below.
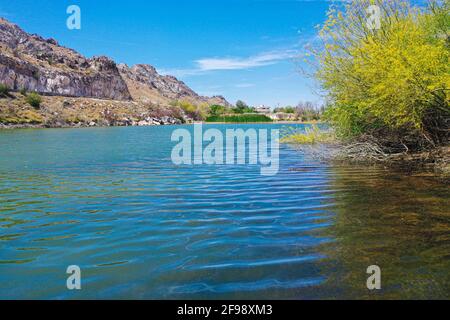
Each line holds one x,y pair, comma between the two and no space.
312,135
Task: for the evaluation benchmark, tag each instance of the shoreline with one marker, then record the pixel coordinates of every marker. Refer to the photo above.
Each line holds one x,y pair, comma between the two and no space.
435,160
76,126
4,126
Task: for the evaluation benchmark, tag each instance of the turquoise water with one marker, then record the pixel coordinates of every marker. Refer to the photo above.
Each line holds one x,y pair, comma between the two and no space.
110,201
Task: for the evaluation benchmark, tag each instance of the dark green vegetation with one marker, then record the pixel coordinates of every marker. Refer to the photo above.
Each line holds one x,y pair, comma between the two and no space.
242,107
34,100
239,118
240,113
217,110
304,111
4,90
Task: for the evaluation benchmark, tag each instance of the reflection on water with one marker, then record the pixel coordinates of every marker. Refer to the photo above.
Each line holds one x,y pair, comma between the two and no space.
398,222
111,201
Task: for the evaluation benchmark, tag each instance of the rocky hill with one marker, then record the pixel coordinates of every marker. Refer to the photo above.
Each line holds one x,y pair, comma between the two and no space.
33,63
146,85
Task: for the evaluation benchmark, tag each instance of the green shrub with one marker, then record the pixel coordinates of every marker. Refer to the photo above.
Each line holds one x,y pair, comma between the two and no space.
196,111
242,107
23,92
4,90
34,100
216,110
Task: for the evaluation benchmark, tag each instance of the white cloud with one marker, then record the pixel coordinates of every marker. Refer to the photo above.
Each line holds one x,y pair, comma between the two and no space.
206,65
215,64
264,59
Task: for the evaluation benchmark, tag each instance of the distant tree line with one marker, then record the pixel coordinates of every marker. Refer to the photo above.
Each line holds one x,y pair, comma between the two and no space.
304,111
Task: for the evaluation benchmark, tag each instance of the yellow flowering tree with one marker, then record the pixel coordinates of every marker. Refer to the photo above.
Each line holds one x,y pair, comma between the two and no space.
385,67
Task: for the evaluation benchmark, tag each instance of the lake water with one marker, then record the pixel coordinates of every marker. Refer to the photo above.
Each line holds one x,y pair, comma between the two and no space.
111,201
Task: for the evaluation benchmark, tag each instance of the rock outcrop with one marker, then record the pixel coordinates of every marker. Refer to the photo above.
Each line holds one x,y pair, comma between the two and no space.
147,85
33,63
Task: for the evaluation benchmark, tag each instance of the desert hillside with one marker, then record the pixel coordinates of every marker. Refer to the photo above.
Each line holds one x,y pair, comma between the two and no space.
30,63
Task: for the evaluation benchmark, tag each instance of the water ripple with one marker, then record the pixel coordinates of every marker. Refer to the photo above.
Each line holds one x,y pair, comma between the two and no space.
260,263
111,201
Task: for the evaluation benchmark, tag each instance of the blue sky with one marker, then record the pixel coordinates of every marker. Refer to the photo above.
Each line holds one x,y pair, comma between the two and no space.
241,49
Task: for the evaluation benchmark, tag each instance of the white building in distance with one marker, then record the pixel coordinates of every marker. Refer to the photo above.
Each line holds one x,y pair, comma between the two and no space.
263,109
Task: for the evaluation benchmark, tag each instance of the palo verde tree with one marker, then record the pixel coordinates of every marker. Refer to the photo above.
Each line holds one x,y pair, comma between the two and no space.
385,67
